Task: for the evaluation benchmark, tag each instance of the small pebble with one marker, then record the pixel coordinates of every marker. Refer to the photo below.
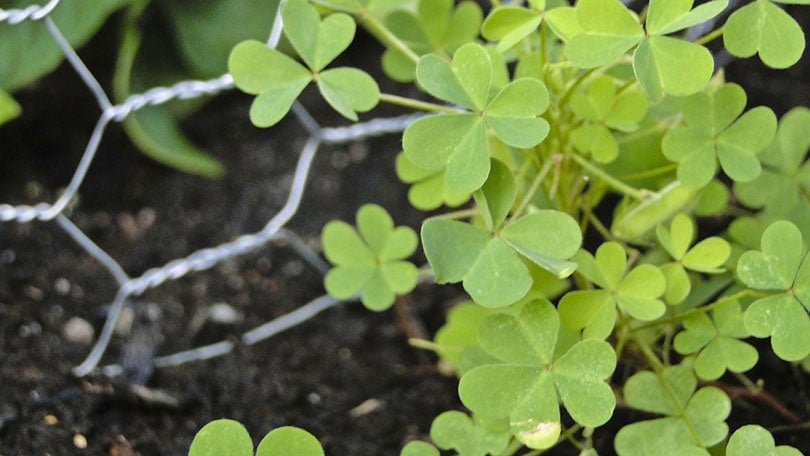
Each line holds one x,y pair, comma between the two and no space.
62,286
368,406
79,441
224,314
78,331
50,420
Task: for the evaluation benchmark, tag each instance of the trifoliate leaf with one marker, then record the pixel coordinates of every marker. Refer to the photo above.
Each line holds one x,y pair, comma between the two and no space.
764,28
288,440
637,292
786,174
528,384
278,80
435,27
753,440
782,265
458,142
457,431
695,421
717,340
370,262
711,133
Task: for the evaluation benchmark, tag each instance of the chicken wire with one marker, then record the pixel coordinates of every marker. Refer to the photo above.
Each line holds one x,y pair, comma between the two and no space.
203,259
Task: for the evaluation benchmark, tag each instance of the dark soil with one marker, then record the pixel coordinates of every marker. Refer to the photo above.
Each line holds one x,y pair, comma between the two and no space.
348,375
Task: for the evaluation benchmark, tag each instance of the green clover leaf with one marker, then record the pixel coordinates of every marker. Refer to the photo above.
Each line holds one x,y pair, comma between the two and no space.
603,110
764,28
435,27
636,292
785,178
419,448
371,261
714,131
458,142
489,263
753,440
529,383
661,64
706,256
694,420
781,265
469,437
718,341
288,440
226,437
278,80
429,188
510,24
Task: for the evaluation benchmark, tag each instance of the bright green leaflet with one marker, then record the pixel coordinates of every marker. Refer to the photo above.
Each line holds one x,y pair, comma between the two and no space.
510,24
635,221
491,267
457,142
371,261
289,440
9,109
662,65
764,28
637,292
782,265
222,437
278,79
785,178
528,384
429,188
455,430
78,20
460,331
714,131
707,256
694,422
436,27
419,448
603,110
753,440
717,339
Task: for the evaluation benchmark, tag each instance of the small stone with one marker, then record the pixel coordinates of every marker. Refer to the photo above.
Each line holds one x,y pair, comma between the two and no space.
78,331
366,407
50,420
62,286
79,441
224,314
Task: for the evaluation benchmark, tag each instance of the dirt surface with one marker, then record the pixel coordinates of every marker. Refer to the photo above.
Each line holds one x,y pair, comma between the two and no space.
348,375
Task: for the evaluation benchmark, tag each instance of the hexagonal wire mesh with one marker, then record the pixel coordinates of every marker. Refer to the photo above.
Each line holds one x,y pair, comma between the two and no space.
203,259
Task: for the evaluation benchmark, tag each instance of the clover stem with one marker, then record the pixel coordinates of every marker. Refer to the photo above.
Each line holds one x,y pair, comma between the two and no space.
714,34
463,213
524,203
610,180
416,104
702,309
659,367
652,172
569,92
385,36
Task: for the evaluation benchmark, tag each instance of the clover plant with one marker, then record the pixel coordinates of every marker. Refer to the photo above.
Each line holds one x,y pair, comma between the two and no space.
225,437
622,220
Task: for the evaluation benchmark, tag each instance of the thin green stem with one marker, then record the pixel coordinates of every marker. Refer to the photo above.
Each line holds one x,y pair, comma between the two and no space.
533,188
417,104
569,92
651,172
385,36
659,367
711,36
702,309
616,184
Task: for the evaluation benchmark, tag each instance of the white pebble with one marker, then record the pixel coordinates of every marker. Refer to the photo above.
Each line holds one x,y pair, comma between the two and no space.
79,331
